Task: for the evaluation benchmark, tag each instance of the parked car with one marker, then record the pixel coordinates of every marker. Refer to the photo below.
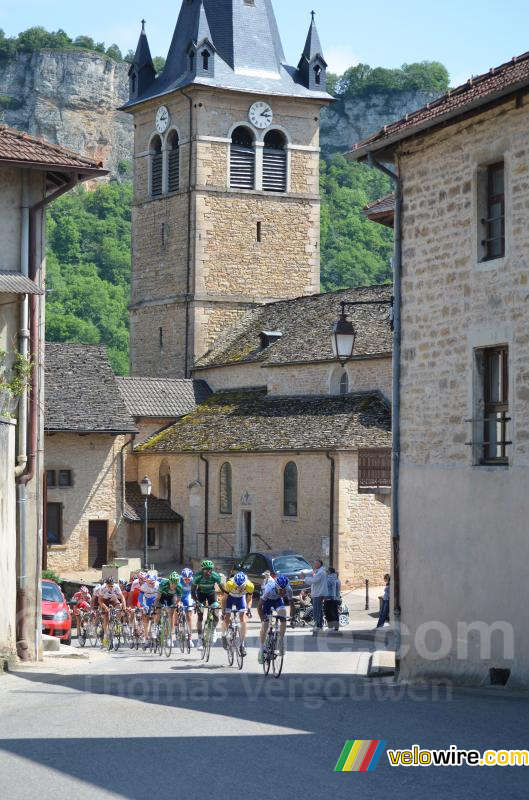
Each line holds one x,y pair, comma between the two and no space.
56,614
286,562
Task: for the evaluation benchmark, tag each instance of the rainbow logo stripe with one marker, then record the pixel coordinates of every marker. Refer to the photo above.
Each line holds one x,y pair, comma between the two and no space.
360,755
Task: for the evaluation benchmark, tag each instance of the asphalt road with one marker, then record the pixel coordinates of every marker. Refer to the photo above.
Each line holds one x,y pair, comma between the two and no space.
140,726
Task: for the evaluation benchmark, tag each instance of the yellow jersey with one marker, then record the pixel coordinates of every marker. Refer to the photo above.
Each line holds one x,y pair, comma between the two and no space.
239,591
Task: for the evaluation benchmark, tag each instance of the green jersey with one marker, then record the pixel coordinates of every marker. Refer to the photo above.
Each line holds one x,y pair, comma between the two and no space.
164,589
206,585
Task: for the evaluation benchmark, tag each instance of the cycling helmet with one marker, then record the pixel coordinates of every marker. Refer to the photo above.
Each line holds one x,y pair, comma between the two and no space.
84,590
109,579
207,564
142,576
240,579
151,577
187,575
282,581
122,582
174,577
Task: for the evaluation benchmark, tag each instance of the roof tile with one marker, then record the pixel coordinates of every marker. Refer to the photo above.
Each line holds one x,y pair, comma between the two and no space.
162,397
19,147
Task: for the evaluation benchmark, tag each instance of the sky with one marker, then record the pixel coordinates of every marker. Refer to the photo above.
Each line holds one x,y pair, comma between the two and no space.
468,36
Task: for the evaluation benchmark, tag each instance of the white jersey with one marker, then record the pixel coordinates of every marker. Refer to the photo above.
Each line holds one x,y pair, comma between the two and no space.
271,592
106,592
149,589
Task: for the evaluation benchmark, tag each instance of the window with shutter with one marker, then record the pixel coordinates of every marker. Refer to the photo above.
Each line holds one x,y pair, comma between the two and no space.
242,159
274,162
173,163
156,167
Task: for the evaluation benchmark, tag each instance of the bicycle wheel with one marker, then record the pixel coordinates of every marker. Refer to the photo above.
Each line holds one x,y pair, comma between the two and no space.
230,649
278,656
118,632
237,646
181,634
81,634
187,637
168,643
92,632
268,652
207,640
111,632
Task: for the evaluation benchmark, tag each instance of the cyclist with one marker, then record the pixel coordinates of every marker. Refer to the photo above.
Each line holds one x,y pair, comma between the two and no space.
83,602
203,591
146,599
169,593
240,597
186,584
273,599
108,594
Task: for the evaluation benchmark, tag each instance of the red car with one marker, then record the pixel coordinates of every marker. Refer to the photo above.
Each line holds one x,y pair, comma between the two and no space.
56,615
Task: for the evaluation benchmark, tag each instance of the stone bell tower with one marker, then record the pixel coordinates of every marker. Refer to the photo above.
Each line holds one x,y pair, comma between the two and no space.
226,179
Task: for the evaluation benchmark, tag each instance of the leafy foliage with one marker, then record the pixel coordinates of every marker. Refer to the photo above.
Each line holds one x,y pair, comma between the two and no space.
425,76
88,269
38,38
354,250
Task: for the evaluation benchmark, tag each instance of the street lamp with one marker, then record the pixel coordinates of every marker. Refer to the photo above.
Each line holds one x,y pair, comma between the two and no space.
344,332
146,488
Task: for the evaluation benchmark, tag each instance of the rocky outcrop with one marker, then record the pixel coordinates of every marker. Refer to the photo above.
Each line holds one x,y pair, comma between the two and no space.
72,98
351,120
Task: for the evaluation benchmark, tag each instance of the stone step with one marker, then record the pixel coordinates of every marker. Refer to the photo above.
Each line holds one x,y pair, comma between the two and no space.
50,644
382,664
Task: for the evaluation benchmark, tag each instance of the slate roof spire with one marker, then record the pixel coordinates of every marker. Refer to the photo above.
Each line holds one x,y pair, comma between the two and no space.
312,67
141,72
244,52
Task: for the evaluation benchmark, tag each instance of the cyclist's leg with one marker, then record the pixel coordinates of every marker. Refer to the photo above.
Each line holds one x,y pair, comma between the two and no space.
104,615
282,612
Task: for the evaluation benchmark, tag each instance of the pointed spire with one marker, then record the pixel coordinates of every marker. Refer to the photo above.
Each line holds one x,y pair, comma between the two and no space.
203,31
141,72
312,67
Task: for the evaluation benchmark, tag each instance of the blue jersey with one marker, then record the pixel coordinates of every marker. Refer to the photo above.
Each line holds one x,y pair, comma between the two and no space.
186,587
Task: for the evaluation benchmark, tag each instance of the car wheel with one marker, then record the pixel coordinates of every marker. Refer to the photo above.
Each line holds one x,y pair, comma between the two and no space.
67,641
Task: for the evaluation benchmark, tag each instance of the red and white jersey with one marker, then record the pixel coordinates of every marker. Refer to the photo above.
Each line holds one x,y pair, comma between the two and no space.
81,597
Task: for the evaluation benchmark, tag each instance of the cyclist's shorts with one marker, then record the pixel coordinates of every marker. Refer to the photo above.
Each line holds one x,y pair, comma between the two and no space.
274,605
237,603
187,600
207,599
168,601
146,602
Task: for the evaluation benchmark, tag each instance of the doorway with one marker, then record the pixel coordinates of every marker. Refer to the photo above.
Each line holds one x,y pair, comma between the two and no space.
97,543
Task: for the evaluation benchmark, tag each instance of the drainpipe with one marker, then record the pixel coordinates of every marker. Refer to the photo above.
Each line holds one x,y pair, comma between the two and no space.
395,414
206,508
189,253
25,539
23,334
122,470
331,509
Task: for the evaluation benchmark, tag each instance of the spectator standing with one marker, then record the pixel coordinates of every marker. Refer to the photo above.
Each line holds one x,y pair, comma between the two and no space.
384,611
332,603
318,589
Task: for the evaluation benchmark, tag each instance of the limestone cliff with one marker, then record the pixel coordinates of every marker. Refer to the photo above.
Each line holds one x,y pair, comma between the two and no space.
71,98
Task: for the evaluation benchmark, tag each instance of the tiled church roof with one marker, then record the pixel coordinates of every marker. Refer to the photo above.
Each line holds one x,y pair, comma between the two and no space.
255,422
162,397
306,327
82,395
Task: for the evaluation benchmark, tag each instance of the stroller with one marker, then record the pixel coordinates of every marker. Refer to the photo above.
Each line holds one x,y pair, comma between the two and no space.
304,613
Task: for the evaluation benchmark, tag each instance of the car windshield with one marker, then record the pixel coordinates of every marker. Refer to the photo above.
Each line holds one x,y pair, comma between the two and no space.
51,593
286,564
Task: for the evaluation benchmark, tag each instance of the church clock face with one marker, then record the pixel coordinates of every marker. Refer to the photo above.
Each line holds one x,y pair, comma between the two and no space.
163,119
261,115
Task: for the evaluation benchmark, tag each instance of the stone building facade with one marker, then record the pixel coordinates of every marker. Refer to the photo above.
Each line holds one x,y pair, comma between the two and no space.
226,209
465,383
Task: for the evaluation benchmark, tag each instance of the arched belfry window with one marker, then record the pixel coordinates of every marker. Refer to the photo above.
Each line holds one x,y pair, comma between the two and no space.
242,159
191,55
225,489
317,74
290,490
275,162
206,55
156,167
173,162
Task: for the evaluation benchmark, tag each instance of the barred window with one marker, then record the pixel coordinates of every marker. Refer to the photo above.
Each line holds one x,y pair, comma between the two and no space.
275,162
242,159
173,162
290,490
496,405
225,489
493,207
156,167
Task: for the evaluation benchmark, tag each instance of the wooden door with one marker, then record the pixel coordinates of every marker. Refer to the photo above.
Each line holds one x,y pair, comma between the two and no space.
97,543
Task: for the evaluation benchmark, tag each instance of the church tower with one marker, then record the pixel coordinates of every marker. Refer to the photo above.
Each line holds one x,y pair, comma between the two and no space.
226,179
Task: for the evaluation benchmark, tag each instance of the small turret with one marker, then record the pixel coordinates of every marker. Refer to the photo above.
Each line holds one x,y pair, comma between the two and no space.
141,72
312,68
201,49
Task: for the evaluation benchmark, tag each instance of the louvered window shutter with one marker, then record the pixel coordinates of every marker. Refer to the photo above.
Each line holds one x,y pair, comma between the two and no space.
274,170
242,167
174,169
157,174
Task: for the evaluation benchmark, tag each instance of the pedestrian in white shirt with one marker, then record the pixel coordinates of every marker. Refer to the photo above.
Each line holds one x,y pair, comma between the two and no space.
318,589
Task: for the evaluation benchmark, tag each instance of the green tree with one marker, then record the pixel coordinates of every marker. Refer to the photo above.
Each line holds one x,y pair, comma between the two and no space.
38,38
114,52
159,63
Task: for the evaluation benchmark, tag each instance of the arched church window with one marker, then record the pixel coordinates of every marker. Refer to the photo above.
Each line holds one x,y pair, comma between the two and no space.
344,384
225,489
173,162
339,382
242,159
275,162
165,481
317,74
156,167
290,490
205,59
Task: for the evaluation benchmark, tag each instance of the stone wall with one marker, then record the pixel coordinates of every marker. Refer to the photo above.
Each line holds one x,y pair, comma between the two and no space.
8,543
95,495
464,539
